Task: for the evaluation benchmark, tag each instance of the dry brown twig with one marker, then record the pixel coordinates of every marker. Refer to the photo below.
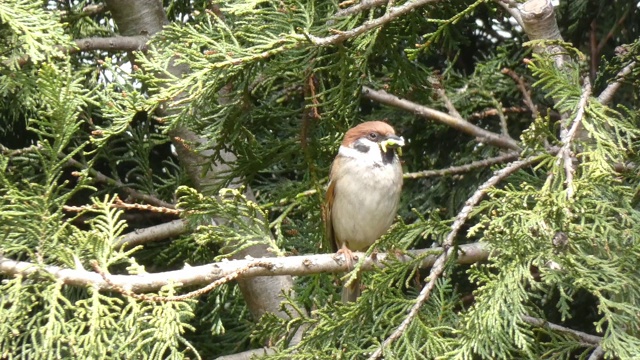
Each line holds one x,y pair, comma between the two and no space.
119,204
523,90
100,177
493,112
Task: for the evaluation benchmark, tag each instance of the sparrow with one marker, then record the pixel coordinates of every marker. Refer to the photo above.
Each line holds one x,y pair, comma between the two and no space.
365,183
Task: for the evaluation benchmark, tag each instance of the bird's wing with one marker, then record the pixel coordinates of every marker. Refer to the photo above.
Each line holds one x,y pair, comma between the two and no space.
326,215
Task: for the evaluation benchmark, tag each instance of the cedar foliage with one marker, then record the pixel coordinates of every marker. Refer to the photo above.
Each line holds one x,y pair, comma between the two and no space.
258,87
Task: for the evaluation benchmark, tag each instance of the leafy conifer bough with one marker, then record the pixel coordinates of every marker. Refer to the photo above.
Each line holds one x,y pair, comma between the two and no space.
439,265
205,274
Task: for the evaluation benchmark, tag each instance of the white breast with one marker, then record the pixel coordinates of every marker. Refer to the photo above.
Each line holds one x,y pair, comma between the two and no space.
365,199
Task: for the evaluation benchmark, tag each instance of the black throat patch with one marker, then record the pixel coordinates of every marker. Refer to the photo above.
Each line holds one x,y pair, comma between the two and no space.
387,156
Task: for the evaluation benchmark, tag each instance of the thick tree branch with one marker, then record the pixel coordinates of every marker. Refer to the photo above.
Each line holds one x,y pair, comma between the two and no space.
205,274
448,249
116,43
479,133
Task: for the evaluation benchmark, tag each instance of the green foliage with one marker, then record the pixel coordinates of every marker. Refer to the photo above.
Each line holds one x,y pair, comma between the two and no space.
89,129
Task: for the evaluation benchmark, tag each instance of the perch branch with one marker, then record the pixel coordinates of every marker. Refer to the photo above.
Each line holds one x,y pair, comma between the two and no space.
205,274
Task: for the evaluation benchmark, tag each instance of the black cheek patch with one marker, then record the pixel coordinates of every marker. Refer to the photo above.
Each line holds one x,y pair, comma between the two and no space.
363,148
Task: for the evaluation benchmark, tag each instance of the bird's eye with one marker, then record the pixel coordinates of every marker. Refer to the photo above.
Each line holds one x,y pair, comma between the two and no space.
373,136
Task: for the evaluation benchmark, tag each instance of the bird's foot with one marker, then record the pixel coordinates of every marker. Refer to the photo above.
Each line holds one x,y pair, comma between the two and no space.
348,256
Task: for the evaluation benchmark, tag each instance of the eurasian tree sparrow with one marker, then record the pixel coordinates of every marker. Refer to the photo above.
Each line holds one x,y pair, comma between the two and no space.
364,189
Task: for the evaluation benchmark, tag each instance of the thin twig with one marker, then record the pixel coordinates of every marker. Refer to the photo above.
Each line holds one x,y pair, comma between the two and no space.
115,43
390,15
493,112
479,133
583,337
607,94
565,153
88,10
447,102
447,245
361,6
100,177
523,90
613,30
119,204
463,168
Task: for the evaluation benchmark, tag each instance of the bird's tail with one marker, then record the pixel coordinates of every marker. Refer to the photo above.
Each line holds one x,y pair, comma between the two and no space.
350,293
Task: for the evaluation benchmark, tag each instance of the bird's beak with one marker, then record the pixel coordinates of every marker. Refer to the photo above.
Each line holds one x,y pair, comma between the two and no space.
392,142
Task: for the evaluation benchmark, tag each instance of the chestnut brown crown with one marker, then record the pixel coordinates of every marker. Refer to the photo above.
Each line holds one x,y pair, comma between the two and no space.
366,129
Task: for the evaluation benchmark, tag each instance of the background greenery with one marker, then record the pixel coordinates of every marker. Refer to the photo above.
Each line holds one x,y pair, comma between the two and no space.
255,86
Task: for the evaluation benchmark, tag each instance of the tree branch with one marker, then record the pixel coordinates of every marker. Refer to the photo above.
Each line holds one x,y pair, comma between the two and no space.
391,14
479,133
541,323
607,94
447,245
152,233
100,177
116,43
565,154
359,7
463,168
205,274
523,90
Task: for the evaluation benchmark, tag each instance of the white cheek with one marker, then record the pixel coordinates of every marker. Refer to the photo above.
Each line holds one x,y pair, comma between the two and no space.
374,155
